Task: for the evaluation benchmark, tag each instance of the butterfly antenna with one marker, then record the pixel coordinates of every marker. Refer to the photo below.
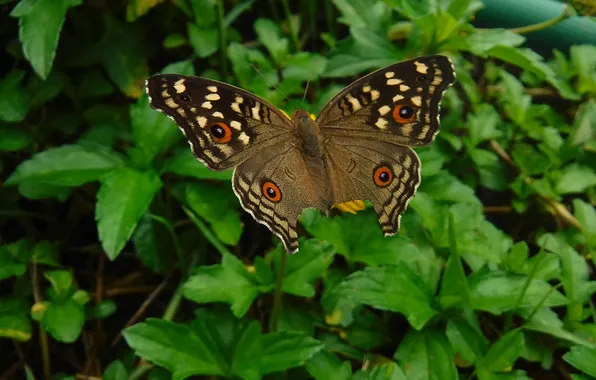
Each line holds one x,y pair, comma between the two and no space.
312,70
275,87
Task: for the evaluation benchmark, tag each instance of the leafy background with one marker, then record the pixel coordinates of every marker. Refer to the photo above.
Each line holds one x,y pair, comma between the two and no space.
122,256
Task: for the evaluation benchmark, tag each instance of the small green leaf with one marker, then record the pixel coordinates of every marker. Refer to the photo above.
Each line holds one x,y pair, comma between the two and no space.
218,206
503,353
64,321
481,41
14,100
115,371
394,288
324,363
582,358
362,13
530,160
386,371
12,139
68,165
152,131
586,215
483,124
153,243
123,57
184,163
497,292
286,349
467,340
40,23
205,41
137,8
13,259
575,178
302,270
426,354
269,34
61,281
229,282
14,319
122,200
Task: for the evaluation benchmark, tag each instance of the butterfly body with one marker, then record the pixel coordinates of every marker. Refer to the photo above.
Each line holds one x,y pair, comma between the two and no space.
358,148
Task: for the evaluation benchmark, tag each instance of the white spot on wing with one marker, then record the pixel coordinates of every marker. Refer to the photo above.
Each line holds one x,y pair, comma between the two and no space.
207,105
212,88
381,123
389,74
397,98
218,114
417,101
202,121
171,103
212,97
384,110
421,67
244,138
355,103
179,86
403,87
235,124
393,82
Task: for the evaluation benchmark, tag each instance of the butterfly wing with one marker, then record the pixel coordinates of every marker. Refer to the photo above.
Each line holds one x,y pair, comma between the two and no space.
399,103
223,124
381,172
274,186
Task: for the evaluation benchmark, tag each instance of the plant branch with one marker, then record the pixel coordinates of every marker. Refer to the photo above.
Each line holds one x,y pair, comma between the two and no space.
567,12
277,295
558,208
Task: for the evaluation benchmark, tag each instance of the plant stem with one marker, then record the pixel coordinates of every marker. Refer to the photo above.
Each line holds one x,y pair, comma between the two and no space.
293,31
168,226
543,25
277,295
223,61
209,235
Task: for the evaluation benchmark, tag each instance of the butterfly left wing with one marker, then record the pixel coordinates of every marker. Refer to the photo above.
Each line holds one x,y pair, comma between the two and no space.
224,125
399,103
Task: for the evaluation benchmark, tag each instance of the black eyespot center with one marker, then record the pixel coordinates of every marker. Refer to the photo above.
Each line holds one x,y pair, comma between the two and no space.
271,192
185,98
217,131
421,78
406,111
384,177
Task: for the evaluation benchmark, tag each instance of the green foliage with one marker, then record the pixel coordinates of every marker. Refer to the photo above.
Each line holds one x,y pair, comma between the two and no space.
104,210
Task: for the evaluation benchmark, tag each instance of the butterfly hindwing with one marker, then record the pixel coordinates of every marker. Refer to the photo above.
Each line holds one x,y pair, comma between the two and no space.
399,103
223,124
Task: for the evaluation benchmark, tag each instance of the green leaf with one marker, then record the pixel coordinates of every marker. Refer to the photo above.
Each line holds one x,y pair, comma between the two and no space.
531,61
454,287
503,353
481,41
575,274
14,100
394,288
205,41
137,8
218,206
586,215
14,319
153,243
204,12
64,321
530,160
123,198
123,57
152,131
13,259
575,178
497,292
324,363
302,270
184,163
286,349
68,165
582,358
362,13
115,371
426,354
269,34
483,124
386,371
584,122
182,349
12,139
40,23
467,340
583,58
229,282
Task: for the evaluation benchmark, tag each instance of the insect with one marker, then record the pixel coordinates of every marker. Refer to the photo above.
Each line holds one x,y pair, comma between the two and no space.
358,148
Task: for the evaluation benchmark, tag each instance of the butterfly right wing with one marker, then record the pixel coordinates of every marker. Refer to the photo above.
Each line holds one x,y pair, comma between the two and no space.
224,125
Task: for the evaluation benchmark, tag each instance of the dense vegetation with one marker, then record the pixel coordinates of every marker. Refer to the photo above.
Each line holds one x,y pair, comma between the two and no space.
116,244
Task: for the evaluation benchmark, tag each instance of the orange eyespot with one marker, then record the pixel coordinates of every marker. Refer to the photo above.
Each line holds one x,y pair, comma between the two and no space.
271,191
403,113
382,175
221,132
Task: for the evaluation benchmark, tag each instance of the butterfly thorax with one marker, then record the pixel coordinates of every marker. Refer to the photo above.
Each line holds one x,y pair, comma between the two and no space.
311,145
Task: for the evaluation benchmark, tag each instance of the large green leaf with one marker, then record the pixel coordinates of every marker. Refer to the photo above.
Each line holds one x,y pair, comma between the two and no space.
426,355
394,288
582,358
503,353
14,100
122,200
68,165
40,23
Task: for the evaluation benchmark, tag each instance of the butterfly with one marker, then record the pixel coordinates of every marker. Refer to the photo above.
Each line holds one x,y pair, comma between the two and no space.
358,148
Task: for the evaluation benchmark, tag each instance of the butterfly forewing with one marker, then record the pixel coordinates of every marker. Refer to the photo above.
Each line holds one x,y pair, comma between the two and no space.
399,103
223,124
